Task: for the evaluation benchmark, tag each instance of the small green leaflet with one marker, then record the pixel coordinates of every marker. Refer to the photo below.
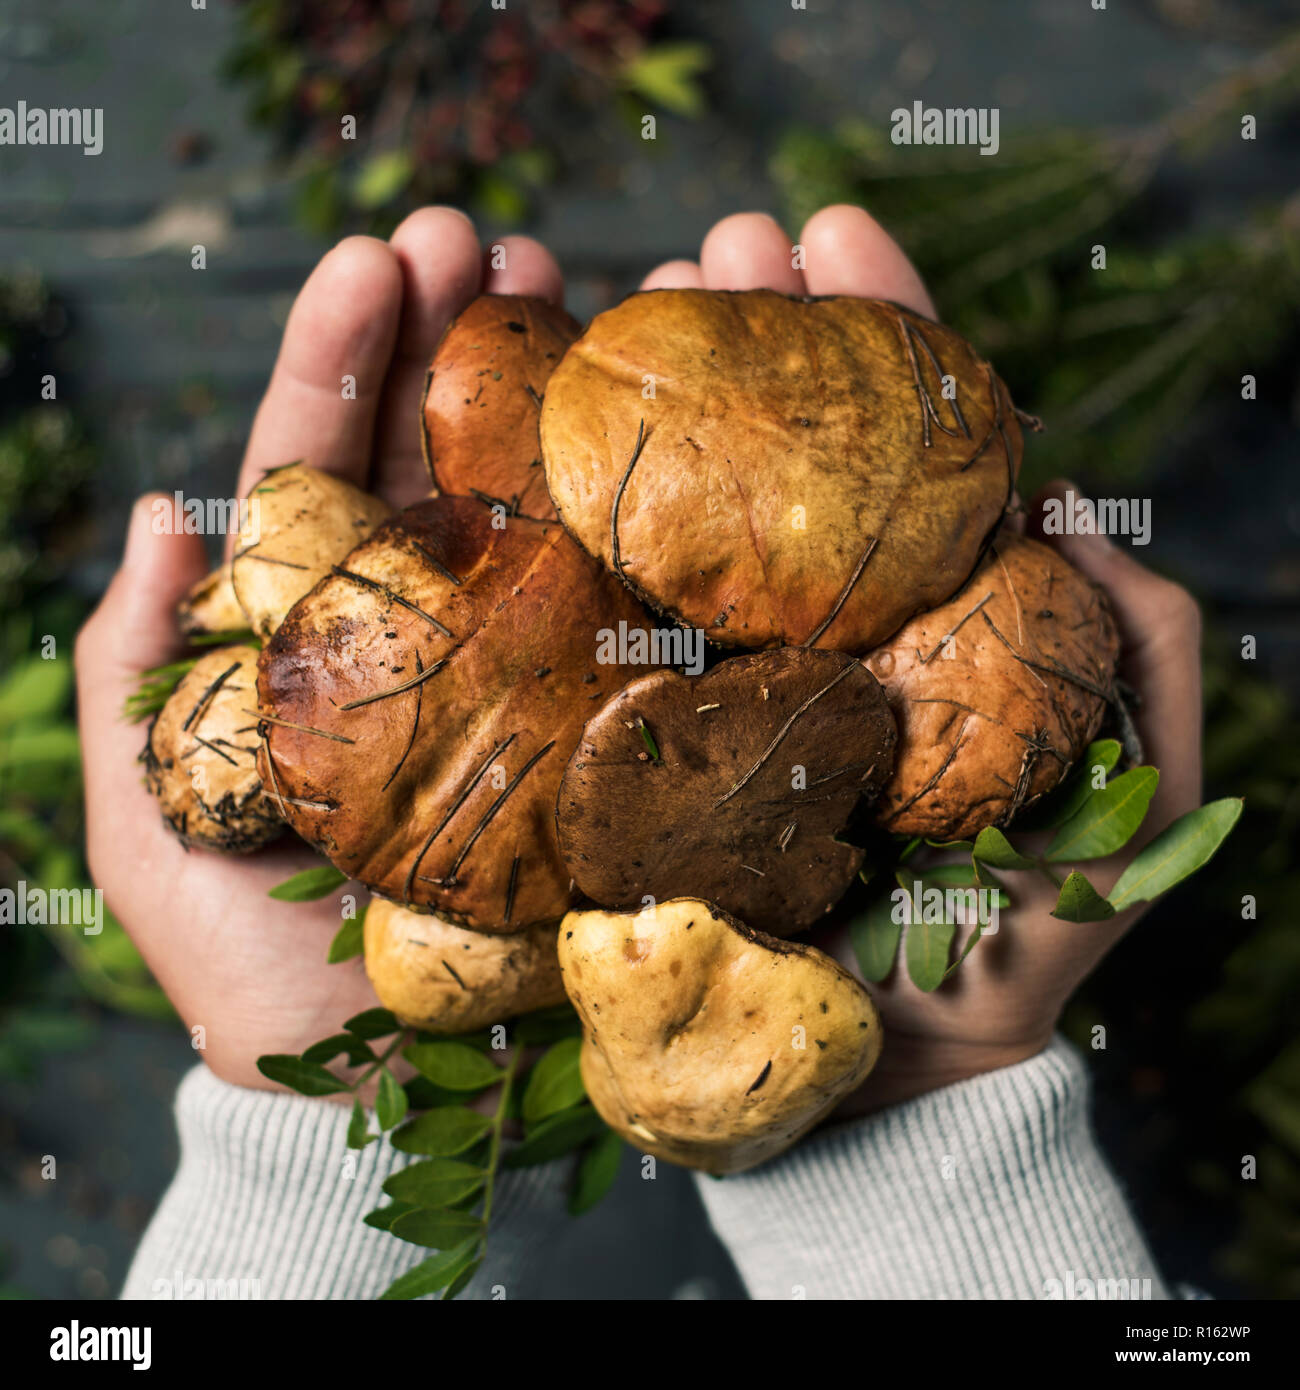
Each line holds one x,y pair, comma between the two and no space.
349,941
926,949
382,1218
1063,801
1079,901
667,75
597,1169
458,1284
309,885
438,1230
390,1102
875,936
556,1135
373,1023
443,1132
1179,850
432,1274
992,847
435,1183
555,1083
1108,819
307,1078
358,1130
452,1065
327,1049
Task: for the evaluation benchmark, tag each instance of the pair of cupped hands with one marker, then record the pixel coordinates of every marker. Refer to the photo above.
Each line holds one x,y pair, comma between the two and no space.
251,971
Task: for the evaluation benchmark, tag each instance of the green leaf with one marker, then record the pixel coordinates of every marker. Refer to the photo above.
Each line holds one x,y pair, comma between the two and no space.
349,941
971,942
328,1048
875,936
422,1094
1108,819
439,1230
1066,799
555,1083
452,1065
1178,851
992,847
390,1101
309,885
373,1023
545,1026
382,1218
555,1136
927,947
1079,901
597,1169
307,1078
435,1183
442,1132
458,1284
382,178
358,1129
665,75
35,689
430,1275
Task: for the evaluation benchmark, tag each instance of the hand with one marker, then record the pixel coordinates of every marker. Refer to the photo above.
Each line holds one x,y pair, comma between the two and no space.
250,971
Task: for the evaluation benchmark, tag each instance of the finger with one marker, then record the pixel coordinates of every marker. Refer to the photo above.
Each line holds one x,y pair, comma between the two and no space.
675,275
846,251
343,325
437,252
520,265
749,251
1160,630
133,629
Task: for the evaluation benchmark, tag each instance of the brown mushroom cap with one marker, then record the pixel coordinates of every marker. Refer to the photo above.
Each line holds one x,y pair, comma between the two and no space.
443,979
305,521
990,719
760,763
423,701
201,756
484,395
706,1043
800,479
211,606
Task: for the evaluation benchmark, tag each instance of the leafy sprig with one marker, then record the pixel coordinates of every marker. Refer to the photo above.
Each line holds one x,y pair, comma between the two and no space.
1093,816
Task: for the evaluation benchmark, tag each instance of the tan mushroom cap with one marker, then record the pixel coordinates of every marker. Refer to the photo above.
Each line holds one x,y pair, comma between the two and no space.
996,692
484,395
423,700
201,756
211,606
779,471
303,522
444,979
708,1044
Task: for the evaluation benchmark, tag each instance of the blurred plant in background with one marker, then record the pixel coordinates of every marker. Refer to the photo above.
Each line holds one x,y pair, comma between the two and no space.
445,94
1121,366
45,458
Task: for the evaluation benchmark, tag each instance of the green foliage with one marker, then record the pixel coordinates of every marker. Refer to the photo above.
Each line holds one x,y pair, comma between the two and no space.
309,885
443,1200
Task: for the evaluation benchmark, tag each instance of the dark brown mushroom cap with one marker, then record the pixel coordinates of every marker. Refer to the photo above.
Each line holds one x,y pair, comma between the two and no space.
759,764
423,699
996,692
801,478
484,395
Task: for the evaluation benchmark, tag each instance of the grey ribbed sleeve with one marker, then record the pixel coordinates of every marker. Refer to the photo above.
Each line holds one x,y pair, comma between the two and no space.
990,1188
263,1194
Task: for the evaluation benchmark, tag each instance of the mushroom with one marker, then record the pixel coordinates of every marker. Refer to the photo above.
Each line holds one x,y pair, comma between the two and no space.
443,979
201,756
211,607
298,523
706,1043
995,692
731,786
421,701
483,395
778,471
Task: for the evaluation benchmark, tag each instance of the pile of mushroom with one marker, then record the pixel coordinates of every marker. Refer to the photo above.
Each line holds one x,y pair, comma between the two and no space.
453,704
